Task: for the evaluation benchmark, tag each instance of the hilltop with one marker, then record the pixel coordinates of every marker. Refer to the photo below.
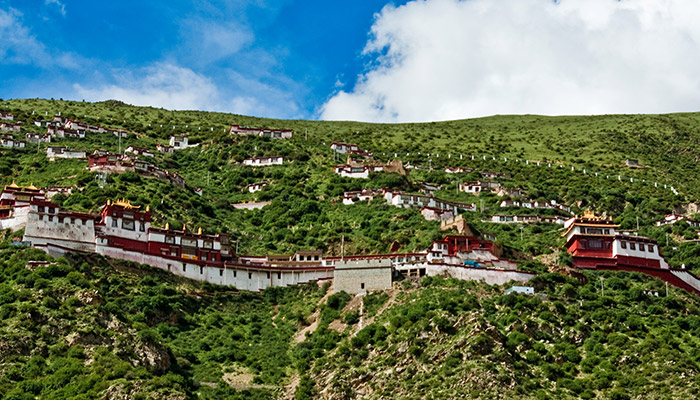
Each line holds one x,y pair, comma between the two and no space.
97,327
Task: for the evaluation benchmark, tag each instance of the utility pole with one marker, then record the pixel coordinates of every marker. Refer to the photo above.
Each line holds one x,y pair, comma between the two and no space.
342,248
638,224
521,232
666,289
602,290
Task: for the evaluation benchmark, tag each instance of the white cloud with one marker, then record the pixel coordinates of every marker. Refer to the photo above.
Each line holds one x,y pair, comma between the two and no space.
451,59
61,6
173,87
19,46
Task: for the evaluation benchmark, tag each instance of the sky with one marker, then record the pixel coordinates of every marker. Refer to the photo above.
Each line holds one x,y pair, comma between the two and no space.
368,60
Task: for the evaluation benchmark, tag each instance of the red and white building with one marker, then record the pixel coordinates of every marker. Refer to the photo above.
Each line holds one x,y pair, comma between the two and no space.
262,132
7,140
525,219
5,127
436,214
264,161
37,138
354,196
595,243
408,200
14,205
353,171
6,116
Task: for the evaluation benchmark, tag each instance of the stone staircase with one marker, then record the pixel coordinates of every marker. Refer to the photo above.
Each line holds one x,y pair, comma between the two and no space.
688,278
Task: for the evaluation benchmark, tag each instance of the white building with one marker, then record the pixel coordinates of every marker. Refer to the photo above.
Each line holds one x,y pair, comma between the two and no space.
178,142
52,153
264,161
256,187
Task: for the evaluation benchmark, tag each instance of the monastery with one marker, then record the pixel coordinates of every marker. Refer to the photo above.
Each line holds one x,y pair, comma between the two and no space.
596,243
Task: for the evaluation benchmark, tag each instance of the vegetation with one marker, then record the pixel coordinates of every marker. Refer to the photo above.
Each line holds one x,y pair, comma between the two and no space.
87,327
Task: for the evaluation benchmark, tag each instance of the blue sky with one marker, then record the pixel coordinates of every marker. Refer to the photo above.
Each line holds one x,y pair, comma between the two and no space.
282,58
368,60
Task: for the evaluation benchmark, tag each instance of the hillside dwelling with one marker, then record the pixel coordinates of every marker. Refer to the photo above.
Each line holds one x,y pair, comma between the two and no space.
343,148
57,119
436,214
262,132
37,138
429,188
631,162
516,219
6,116
362,276
5,127
595,242
494,175
670,219
528,290
264,161
199,191
256,187
55,131
178,142
64,190
354,196
348,171
401,199
42,124
469,251
119,133
457,170
73,133
139,151
525,204
479,186
9,141
53,153
100,161
83,126
14,205
165,149
251,205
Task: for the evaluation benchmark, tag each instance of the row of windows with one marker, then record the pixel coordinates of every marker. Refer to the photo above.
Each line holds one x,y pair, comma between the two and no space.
62,220
635,246
221,272
50,209
129,225
207,244
597,231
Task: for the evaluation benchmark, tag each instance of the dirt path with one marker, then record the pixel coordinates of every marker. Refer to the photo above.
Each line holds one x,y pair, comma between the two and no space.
301,335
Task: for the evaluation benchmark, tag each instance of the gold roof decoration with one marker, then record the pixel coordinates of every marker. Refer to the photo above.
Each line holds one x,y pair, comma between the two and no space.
32,187
126,204
167,226
13,185
199,231
148,208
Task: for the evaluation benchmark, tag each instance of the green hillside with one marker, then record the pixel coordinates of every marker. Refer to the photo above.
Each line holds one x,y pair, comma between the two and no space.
90,327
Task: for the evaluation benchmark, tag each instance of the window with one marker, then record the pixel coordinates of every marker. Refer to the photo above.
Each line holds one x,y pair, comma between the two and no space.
142,227
623,245
268,275
50,218
362,285
632,246
201,270
595,244
170,239
651,248
84,221
221,272
50,210
41,209
128,224
72,220
114,223
208,244
641,247
234,273
279,275
250,275
184,268
60,220
189,242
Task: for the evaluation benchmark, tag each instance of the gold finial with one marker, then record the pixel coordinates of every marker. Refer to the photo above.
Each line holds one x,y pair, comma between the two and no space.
14,185
148,208
32,187
108,202
167,226
589,214
126,204
199,231
184,227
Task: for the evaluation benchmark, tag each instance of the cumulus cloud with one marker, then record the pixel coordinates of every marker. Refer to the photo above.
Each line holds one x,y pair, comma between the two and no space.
451,59
178,88
57,3
19,46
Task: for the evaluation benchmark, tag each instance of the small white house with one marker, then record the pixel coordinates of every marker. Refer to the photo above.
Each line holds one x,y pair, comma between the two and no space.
52,153
343,148
348,171
6,116
264,161
178,142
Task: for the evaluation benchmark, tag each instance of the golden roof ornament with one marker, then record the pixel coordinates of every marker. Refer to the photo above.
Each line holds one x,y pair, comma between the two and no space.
126,204
167,226
199,231
32,187
13,185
